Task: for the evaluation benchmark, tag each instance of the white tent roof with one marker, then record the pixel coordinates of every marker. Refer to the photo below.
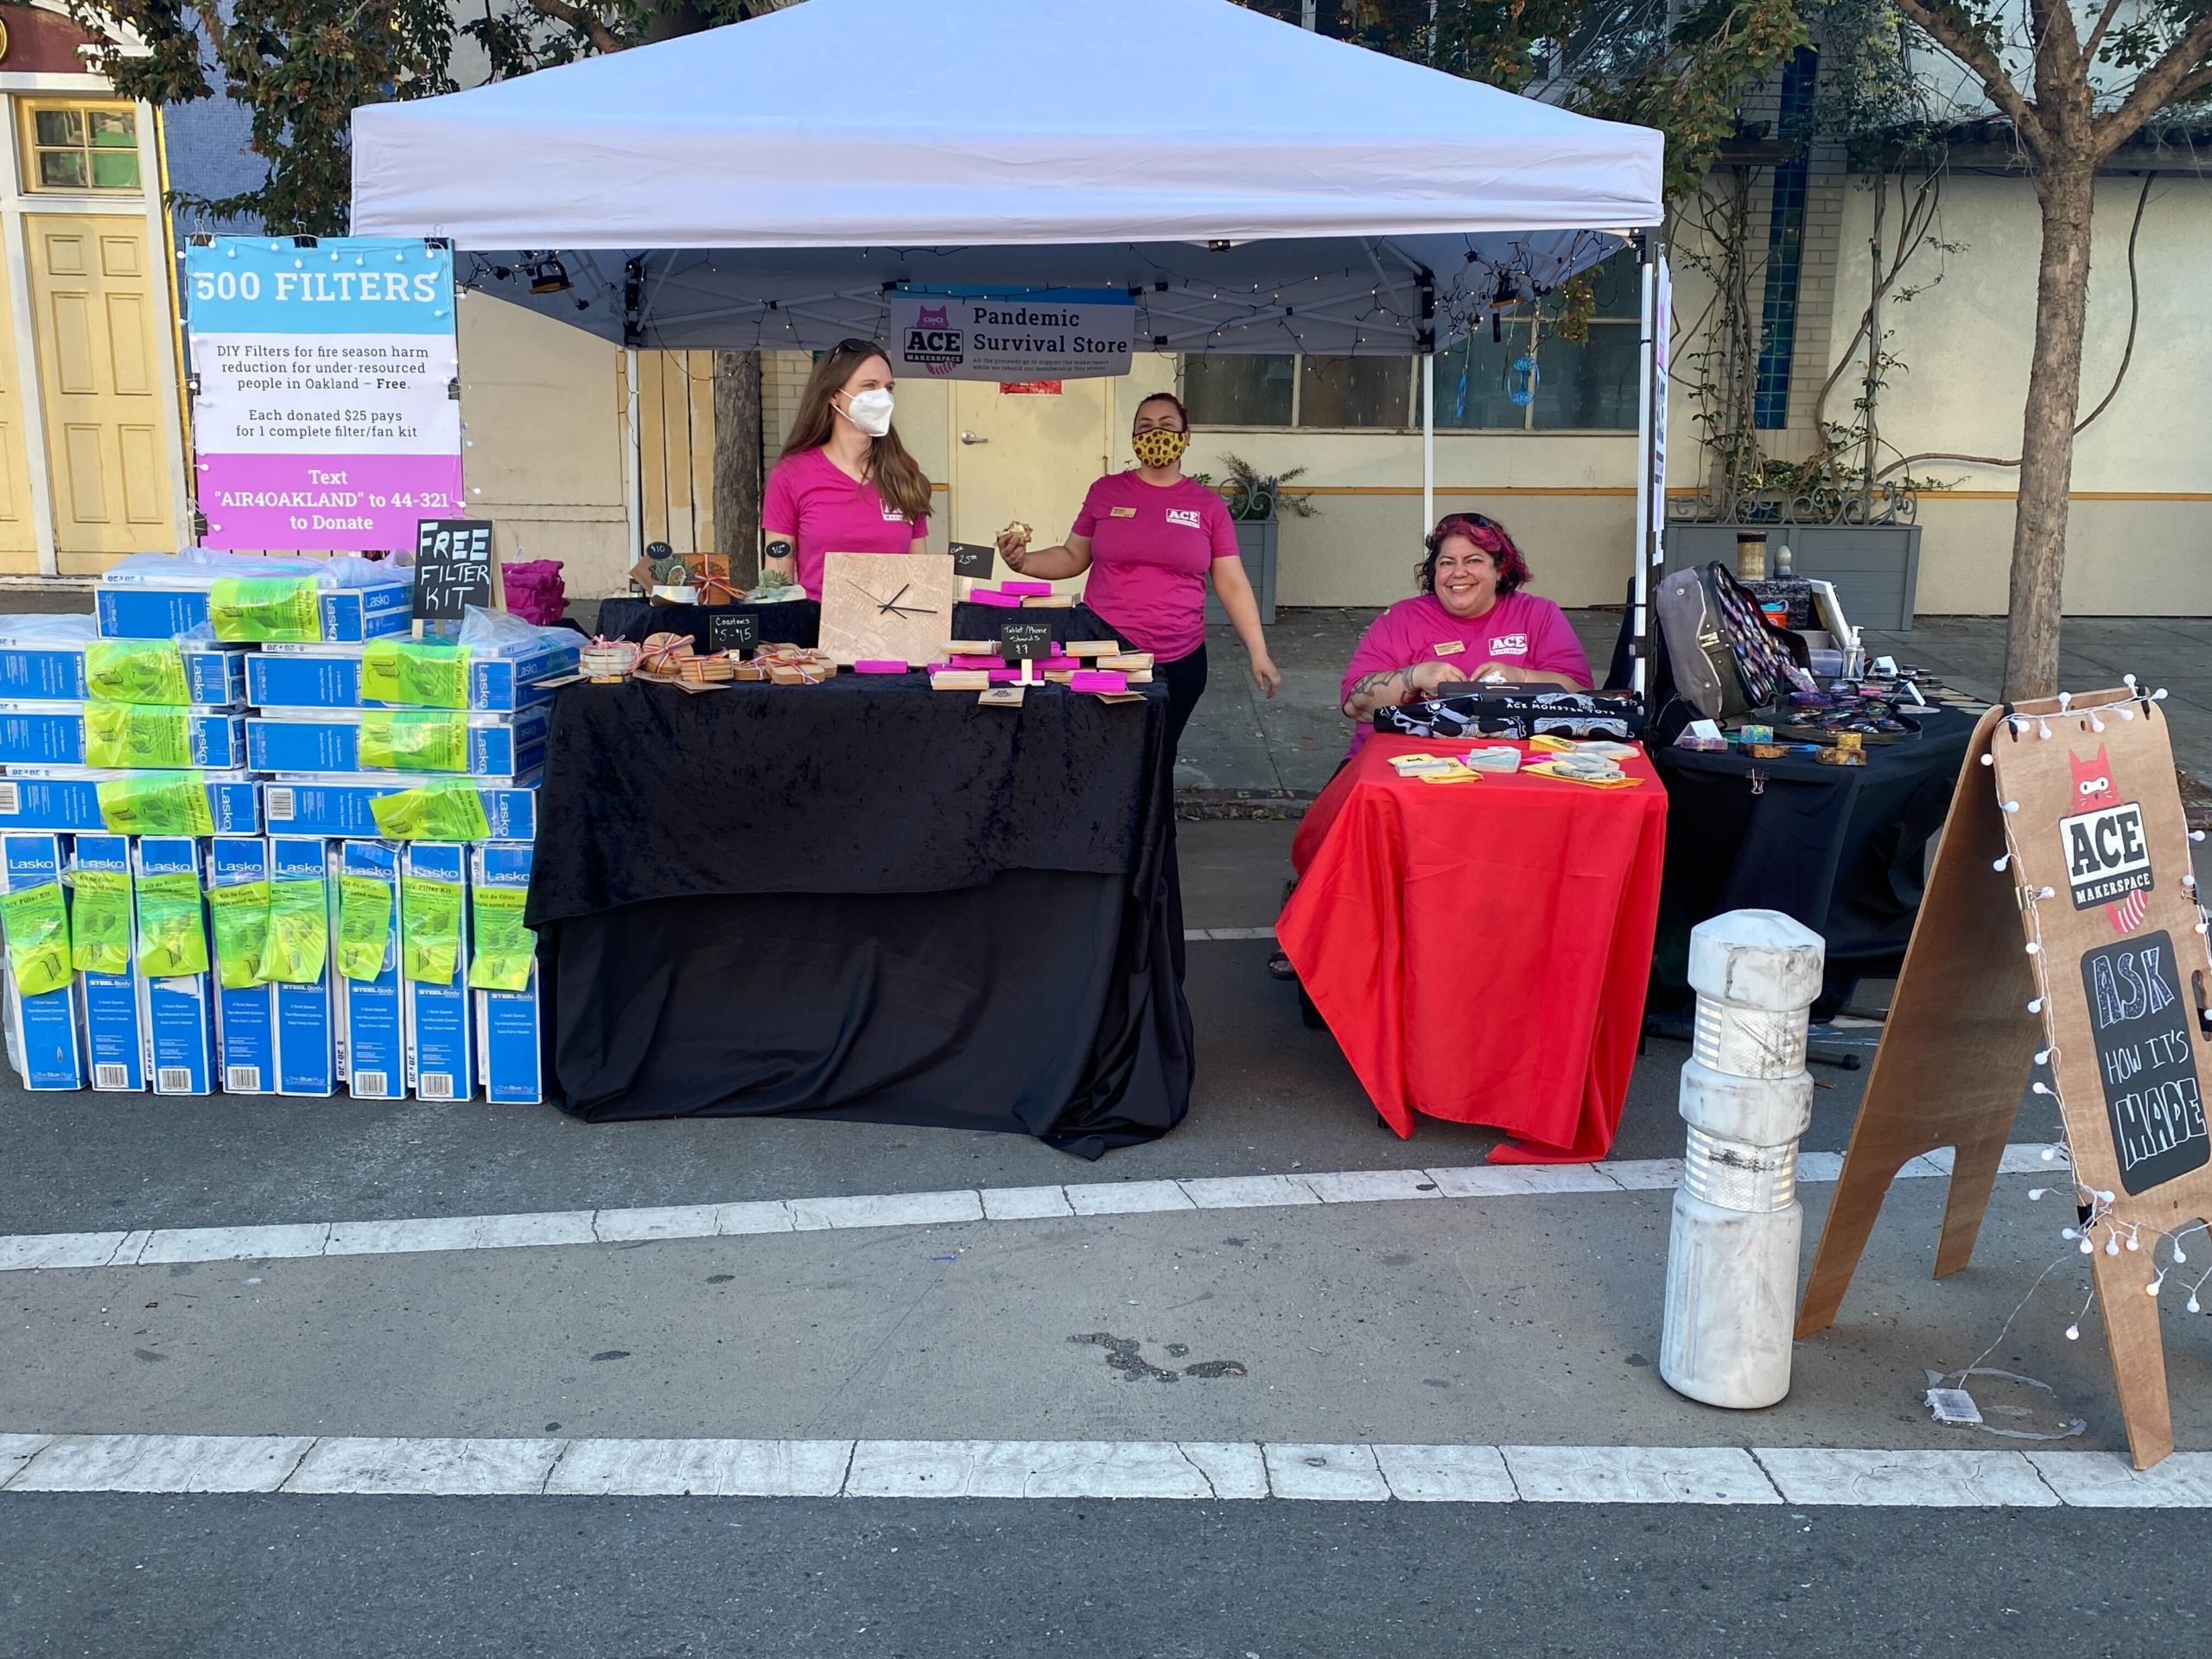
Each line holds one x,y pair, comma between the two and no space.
766,182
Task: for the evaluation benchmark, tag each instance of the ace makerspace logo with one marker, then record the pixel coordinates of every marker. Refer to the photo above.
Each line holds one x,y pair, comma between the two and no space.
2108,855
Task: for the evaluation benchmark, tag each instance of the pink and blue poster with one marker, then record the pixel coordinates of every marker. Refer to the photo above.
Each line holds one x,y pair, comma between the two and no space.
323,417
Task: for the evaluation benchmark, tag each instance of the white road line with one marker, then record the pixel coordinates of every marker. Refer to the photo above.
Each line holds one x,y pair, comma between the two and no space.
1195,935
29,1252
1355,1472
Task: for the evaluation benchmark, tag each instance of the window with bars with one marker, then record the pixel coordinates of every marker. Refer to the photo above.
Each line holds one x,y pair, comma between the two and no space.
80,147
1525,376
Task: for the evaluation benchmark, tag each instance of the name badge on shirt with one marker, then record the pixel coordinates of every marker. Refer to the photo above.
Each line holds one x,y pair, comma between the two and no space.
1450,648
1122,512
1509,645
892,515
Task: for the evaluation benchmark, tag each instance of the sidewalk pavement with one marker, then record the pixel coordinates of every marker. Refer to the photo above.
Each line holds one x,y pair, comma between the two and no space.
1245,755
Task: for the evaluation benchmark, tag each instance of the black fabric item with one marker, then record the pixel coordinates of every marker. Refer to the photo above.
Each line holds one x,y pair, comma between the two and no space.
1185,679
1839,847
865,899
798,623
1504,712
950,1009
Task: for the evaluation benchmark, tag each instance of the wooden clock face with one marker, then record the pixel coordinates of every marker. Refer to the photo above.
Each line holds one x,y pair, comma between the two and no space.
887,606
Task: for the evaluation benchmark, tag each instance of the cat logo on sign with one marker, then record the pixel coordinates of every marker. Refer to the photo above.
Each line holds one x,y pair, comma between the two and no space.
2108,855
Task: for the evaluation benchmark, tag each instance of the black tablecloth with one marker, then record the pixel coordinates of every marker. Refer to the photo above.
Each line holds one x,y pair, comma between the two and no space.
1840,848
865,899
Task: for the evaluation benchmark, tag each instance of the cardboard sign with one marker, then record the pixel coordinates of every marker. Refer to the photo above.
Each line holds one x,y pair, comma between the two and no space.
2055,925
974,559
1019,640
453,567
732,630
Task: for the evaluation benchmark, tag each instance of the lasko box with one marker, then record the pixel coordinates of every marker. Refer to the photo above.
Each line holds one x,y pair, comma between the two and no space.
440,1051
180,1007
245,1022
488,745
68,798
56,674
510,1043
350,614
371,1047
45,1035
341,805
329,676
115,1021
53,734
307,1026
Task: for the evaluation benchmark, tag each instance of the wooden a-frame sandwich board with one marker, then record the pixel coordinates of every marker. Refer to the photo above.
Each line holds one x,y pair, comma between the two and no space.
2056,920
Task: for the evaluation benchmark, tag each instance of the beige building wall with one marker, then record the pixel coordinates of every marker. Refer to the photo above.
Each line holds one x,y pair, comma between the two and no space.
2141,515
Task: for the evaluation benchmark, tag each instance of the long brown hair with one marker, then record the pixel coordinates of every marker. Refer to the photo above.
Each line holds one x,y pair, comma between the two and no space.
897,477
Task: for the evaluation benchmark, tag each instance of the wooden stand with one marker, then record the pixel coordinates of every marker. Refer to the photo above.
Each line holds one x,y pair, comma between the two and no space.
1960,1039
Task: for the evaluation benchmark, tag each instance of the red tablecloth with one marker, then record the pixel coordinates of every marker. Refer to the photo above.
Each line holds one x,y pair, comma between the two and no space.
1480,949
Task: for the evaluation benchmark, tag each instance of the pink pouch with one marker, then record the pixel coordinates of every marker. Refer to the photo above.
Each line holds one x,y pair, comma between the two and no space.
1026,588
880,666
1003,602
1098,679
1059,665
975,661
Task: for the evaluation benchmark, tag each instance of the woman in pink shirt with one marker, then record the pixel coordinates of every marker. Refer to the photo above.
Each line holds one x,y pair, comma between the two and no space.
1150,538
844,483
1470,620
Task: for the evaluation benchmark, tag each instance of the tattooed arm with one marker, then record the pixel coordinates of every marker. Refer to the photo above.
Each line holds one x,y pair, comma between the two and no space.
776,556
1389,686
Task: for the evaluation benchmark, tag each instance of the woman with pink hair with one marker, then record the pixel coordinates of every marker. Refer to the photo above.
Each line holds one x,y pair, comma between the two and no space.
1469,621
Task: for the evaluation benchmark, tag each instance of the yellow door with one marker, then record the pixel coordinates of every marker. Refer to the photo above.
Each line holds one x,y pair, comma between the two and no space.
1028,456
106,424
18,530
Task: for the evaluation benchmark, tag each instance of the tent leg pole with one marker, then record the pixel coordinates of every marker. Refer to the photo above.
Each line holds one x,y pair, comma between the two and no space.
634,488
1427,443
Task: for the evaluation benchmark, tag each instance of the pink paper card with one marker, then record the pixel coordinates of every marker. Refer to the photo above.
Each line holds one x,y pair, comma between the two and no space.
1025,589
1002,602
880,666
1098,679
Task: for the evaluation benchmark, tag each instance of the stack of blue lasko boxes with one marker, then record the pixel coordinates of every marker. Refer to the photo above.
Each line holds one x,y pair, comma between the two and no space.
253,836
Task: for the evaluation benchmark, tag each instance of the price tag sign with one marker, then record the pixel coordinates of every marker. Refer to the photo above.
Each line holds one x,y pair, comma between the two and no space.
453,567
732,630
1024,640
974,559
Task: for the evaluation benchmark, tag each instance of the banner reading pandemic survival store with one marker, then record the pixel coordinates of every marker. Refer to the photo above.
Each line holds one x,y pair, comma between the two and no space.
324,419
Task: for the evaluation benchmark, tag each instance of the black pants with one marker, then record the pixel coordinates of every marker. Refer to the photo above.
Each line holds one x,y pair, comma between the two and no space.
1187,684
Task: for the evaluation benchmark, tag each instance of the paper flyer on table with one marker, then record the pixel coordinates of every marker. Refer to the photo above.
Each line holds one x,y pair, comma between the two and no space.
323,418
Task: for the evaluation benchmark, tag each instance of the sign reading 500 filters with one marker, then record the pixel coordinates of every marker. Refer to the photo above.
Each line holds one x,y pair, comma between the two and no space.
324,420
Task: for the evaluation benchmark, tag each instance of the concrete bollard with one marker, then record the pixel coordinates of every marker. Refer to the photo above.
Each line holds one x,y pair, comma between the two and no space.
1731,1254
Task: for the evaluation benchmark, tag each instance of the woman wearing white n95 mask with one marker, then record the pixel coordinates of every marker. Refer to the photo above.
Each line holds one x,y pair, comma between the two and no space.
844,483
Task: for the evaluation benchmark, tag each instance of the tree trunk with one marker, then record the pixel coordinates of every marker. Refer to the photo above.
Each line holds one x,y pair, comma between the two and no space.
737,462
2067,193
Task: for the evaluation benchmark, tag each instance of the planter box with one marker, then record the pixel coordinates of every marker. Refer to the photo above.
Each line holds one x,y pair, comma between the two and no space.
1875,568
1256,541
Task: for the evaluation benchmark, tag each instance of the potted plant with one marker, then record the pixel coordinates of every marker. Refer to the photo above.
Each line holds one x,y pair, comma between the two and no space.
1257,502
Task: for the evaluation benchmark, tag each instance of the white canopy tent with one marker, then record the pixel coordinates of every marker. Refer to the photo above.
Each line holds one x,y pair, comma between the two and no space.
1256,187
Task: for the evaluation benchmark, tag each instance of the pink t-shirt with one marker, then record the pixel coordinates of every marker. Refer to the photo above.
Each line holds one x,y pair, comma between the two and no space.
1521,631
1151,547
824,509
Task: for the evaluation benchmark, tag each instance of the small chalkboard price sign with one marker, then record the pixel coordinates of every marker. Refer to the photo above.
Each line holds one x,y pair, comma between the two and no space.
453,567
732,630
2139,1018
1025,641
974,559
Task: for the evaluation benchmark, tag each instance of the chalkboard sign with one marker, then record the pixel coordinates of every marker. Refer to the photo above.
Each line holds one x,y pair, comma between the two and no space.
1019,640
2141,1017
453,567
732,630
974,559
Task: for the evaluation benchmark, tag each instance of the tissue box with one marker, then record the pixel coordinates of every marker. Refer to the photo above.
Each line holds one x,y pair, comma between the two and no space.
53,734
329,676
497,746
325,805
350,615
56,674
